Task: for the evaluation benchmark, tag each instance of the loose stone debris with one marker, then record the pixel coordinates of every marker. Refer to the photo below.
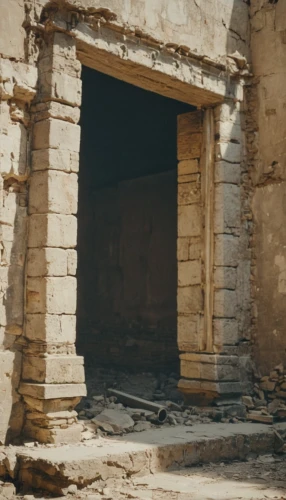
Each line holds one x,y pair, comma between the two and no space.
268,403
102,414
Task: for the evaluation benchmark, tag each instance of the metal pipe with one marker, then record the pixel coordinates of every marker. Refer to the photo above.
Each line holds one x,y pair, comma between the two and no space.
135,402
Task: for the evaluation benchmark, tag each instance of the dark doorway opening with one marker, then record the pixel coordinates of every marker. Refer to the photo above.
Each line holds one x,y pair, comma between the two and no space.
127,227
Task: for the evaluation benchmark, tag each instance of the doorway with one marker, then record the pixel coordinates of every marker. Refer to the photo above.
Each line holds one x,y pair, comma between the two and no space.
127,220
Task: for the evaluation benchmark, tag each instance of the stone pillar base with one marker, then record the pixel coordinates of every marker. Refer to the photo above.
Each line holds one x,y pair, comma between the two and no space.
50,416
209,378
58,434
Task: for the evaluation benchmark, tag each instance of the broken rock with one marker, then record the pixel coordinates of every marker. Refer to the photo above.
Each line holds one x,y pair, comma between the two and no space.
119,420
142,426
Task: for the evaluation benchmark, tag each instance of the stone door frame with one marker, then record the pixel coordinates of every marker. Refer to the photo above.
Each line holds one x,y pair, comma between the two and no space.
53,375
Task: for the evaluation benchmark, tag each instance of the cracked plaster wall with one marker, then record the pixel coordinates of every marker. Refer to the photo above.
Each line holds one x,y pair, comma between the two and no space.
269,180
211,28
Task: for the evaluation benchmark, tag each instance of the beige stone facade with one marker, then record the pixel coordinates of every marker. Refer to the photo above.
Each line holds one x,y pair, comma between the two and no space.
230,190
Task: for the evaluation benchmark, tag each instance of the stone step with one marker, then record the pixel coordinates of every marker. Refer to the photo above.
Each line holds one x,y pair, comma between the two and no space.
55,468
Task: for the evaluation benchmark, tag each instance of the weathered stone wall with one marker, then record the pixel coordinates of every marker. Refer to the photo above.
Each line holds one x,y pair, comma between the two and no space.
210,28
17,89
213,267
209,31
267,101
129,280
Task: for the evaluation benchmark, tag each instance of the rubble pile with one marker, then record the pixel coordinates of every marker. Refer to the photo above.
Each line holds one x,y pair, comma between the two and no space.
104,414
268,403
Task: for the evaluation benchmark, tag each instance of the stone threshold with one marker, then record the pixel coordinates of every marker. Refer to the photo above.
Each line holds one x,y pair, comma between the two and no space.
55,468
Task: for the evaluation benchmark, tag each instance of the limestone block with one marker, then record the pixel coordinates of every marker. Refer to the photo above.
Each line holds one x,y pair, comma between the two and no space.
52,391
9,209
182,249
53,369
225,277
188,193
228,112
51,405
189,135
206,371
14,300
195,248
189,299
7,491
280,17
225,332
72,434
52,230
63,46
226,250
61,86
228,151
13,33
56,134
7,232
225,304
53,191
72,262
51,295
13,149
227,208
227,172
189,220
57,110
51,328
47,262
17,80
4,279
55,159
188,331
228,131
188,167
189,273
7,359
207,390
4,117
209,367
67,63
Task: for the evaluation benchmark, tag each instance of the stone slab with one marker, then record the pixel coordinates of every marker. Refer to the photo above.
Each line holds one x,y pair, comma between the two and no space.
51,391
140,454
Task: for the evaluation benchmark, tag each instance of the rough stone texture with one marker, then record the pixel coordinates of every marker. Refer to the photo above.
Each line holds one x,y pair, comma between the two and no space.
54,469
267,160
184,50
211,321
183,22
17,89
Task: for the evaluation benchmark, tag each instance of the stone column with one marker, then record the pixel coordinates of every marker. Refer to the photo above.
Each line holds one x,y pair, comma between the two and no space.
209,220
53,375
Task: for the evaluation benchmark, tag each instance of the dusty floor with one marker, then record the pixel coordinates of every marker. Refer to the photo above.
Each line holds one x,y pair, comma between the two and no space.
257,479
